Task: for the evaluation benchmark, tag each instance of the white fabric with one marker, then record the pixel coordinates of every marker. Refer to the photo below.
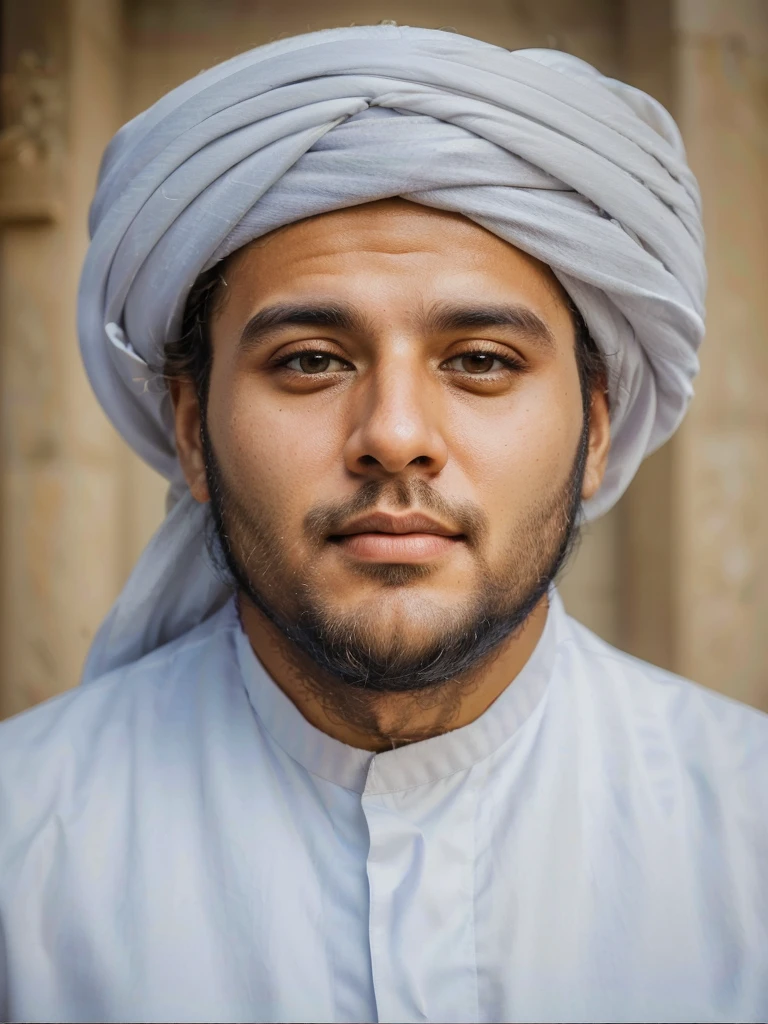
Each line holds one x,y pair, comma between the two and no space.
178,844
582,171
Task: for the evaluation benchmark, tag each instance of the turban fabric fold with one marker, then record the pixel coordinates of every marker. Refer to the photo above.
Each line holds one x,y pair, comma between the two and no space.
581,171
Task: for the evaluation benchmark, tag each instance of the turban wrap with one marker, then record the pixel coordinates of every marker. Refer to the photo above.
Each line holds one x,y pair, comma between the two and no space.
581,171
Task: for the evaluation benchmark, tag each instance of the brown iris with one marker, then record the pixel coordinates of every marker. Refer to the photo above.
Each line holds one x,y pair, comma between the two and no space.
314,362
477,362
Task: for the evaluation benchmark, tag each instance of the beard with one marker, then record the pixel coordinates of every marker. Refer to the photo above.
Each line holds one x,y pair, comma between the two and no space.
348,657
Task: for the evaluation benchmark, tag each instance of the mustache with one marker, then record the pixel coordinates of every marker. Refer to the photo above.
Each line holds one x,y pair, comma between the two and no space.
416,494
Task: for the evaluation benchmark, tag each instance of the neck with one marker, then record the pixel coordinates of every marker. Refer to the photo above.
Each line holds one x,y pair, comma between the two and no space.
375,721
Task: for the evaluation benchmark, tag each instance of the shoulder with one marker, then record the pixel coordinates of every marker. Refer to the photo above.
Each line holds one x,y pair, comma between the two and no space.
711,740
95,730
650,685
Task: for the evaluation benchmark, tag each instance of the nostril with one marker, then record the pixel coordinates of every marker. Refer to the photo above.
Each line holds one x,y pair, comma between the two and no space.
369,460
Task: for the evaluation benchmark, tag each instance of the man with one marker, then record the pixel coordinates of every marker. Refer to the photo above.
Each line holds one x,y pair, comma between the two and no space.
391,309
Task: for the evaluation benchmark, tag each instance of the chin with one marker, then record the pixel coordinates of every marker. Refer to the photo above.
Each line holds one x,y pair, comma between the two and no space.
404,616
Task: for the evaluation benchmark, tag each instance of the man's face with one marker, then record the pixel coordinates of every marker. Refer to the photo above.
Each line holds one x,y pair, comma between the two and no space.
394,438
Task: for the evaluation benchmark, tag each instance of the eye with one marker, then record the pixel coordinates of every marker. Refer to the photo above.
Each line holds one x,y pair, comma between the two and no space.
479,363
314,363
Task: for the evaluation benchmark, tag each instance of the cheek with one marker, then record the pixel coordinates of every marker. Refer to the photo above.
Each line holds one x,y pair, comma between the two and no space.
519,449
269,444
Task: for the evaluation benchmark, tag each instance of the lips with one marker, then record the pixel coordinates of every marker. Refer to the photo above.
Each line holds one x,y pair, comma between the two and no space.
410,538
383,522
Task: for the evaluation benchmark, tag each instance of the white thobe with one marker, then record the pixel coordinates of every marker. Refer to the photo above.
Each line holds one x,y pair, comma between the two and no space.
177,843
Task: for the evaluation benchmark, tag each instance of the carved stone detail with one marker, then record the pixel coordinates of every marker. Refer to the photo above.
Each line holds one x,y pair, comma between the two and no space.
31,141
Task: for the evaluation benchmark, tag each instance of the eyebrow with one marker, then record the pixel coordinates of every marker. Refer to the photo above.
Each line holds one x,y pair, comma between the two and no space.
443,319
338,316
439,319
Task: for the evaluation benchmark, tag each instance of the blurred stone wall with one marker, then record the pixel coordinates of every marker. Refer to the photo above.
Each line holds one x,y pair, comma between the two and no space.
677,573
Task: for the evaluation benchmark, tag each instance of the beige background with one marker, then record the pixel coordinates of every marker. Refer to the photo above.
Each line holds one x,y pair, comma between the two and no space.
677,573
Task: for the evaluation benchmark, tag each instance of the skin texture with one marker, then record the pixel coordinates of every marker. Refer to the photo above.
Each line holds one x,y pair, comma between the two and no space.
410,413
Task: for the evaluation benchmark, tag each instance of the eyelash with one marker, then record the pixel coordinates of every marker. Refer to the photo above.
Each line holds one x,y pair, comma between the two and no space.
508,362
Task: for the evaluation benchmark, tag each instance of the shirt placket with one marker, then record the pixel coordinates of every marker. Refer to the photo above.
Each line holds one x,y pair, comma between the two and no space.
421,887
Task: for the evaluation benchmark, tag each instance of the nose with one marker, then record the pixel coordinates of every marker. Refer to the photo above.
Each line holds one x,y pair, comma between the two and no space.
397,424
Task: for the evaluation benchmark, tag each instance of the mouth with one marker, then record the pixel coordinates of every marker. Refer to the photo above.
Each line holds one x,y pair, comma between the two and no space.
397,540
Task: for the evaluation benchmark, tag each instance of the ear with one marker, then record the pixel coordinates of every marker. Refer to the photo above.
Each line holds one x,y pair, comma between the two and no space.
189,444
599,443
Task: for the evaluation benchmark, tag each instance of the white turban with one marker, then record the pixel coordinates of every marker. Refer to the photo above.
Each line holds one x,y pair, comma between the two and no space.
581,171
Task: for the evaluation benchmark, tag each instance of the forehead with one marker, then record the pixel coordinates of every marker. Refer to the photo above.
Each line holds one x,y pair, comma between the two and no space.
393,250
